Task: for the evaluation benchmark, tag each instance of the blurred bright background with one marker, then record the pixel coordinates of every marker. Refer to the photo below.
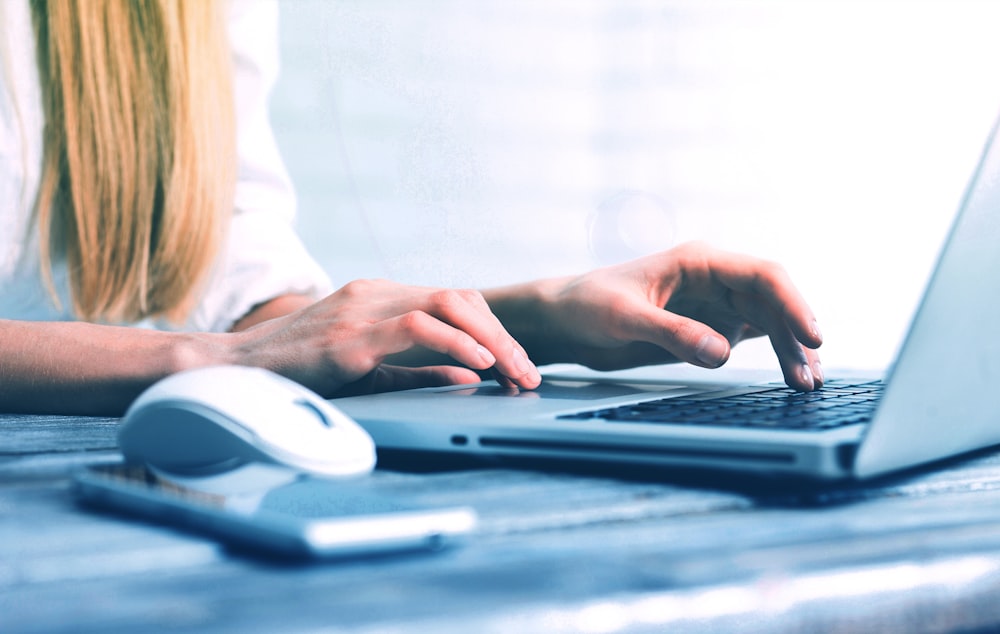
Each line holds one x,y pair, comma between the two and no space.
457,143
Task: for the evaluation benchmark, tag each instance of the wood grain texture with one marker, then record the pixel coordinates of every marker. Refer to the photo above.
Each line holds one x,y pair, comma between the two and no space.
558,550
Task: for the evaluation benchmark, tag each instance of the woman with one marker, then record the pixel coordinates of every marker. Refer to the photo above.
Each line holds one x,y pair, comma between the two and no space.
145,229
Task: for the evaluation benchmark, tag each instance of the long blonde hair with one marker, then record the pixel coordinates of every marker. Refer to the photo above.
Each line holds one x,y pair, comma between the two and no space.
139,151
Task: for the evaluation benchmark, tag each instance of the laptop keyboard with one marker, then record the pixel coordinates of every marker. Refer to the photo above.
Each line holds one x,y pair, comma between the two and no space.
837,404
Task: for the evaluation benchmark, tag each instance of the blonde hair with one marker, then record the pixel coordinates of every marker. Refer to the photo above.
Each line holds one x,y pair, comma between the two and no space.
139,151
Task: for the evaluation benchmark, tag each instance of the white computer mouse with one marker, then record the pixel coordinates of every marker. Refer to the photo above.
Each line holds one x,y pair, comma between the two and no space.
208,420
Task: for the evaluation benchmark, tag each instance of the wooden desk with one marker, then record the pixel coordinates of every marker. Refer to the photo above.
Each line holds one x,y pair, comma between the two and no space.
558,551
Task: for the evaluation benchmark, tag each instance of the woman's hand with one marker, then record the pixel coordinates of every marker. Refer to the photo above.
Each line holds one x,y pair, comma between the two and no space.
691,304
337,346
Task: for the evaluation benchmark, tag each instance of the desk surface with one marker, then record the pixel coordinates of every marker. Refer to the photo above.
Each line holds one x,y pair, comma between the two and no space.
558,550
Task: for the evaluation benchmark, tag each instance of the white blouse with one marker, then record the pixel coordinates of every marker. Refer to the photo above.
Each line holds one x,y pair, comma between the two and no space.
263,257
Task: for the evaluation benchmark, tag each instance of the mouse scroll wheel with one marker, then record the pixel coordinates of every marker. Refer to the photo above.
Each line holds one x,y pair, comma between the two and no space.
317,412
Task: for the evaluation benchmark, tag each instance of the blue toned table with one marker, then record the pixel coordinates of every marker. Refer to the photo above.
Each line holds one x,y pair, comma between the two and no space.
558,550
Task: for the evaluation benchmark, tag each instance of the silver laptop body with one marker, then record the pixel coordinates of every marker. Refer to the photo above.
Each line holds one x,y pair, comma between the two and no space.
941,397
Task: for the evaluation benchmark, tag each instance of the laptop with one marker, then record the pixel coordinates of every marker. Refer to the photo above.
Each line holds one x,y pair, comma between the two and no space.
939,398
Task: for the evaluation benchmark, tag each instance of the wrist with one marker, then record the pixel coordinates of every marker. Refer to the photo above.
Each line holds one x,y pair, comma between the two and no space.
197,350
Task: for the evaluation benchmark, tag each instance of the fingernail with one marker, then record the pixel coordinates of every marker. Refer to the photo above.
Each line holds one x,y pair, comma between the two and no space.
521,363
711,351
816,331
527,374
486,355
806,376
817,372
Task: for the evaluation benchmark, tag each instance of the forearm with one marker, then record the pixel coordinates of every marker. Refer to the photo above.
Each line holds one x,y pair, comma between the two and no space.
81,368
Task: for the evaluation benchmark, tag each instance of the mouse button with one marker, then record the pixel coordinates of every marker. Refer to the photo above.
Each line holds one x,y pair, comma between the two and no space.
308,445
337,431
348,450
337,455
315,410
298,432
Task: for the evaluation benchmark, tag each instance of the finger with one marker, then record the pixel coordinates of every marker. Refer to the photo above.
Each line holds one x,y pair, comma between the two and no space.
465,310
769,280
802,369
819,377
501,379
417,328
685,338
799,365
468,311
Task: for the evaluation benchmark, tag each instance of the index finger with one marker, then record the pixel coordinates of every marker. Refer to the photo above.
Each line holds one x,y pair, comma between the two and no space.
468,311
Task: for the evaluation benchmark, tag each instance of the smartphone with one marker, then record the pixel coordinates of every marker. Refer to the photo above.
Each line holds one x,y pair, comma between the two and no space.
277,511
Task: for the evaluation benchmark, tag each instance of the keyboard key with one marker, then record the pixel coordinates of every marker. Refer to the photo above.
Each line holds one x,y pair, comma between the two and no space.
835,405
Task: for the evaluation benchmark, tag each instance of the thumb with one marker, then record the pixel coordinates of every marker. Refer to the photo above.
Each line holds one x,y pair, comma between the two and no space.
687,339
